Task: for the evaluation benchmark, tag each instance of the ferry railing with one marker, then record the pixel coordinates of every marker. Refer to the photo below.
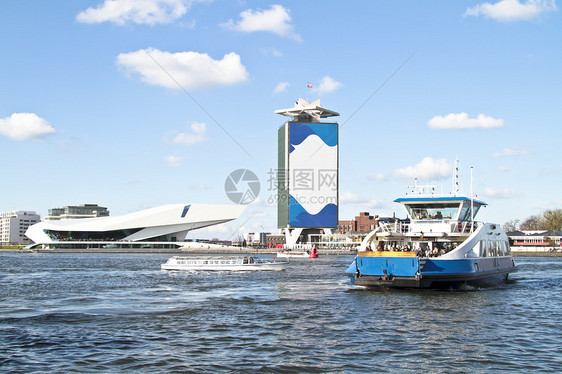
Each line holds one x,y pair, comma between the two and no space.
458,227
464,227
396,227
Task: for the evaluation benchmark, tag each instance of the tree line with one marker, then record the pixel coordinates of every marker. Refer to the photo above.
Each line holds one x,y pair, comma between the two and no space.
550,219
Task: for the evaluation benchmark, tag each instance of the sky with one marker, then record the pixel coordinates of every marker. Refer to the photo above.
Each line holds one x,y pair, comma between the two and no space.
135,104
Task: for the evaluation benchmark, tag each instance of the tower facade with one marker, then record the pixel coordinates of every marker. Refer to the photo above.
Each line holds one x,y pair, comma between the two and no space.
307,170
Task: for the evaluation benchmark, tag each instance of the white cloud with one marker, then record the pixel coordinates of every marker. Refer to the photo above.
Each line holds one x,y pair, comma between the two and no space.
350,197
327,85
276,20
188,69
148,12
505,193
428,168
379,177
375,204
271,51
197,135
173,161
512,10
281,87
461,121
197,187
24,126
511,152
353,198
503,169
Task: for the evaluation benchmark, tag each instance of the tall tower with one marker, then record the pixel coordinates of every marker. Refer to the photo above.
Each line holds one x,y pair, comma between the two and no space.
307,171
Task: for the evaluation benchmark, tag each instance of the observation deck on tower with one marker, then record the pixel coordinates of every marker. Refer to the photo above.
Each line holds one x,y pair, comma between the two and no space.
304,111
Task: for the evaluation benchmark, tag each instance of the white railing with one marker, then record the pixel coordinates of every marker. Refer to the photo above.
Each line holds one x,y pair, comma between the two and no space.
396,227
458,227
463,227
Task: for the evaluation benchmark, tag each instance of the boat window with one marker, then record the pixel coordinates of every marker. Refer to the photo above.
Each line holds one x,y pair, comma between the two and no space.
475,251
465,211
501,248
491,248
433,210
483,248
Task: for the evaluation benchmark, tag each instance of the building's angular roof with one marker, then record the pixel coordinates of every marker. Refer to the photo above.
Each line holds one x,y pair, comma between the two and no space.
172,219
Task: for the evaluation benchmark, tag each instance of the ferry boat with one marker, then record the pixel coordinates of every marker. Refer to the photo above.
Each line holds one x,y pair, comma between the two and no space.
438,245
223,263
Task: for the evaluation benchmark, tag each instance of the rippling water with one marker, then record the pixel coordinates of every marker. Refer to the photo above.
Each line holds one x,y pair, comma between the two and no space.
121,313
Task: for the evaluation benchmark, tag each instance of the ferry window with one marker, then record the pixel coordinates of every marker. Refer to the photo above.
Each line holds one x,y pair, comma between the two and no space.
505,248
500,248
483,248
475,251
491,248
433,211
465,211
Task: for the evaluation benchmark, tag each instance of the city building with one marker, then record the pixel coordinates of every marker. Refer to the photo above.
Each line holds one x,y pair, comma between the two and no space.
363,223
77,211
535,241
13,226
163,224
348,234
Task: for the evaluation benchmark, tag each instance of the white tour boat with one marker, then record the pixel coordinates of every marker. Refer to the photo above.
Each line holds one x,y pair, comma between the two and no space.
313,253
222,263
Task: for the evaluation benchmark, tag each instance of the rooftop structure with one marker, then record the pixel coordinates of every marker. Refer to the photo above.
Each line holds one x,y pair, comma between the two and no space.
304,111
77,211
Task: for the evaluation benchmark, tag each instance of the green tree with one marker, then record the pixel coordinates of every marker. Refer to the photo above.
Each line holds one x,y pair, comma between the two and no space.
553,219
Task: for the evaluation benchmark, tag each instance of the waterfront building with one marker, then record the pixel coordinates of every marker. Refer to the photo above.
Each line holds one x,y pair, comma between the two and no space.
535,241
363,223
163,224
13,226
76,212
348,235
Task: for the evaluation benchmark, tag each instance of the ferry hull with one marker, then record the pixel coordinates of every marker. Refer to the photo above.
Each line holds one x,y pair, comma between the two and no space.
414,272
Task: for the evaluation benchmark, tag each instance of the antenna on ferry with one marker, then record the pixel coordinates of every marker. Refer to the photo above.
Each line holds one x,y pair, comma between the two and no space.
471,203
455,189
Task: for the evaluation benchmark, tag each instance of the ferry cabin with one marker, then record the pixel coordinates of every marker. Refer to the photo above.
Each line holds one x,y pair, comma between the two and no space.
435,225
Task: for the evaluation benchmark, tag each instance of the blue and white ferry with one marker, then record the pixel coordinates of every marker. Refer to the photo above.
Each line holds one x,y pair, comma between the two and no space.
438,245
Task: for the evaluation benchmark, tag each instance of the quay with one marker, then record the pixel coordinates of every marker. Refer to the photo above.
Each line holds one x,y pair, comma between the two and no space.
200,249
221,250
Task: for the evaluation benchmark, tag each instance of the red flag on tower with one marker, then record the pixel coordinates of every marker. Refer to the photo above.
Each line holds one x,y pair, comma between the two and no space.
309,85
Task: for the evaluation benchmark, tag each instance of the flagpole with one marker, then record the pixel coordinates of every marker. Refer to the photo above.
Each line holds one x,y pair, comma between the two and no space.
308,85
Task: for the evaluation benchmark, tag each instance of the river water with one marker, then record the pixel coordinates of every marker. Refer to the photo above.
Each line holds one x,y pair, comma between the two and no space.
121,313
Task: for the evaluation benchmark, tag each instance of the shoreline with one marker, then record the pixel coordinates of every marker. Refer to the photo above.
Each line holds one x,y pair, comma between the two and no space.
221,250
171,251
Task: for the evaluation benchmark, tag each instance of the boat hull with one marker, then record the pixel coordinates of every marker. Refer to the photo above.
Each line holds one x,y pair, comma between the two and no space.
294,254
277,266
414,272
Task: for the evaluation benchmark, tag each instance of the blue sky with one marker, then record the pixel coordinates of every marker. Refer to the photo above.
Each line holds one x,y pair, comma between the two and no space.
135,104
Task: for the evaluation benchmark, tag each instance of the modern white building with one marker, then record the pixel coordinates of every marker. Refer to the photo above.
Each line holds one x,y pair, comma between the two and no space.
163,224
13,226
